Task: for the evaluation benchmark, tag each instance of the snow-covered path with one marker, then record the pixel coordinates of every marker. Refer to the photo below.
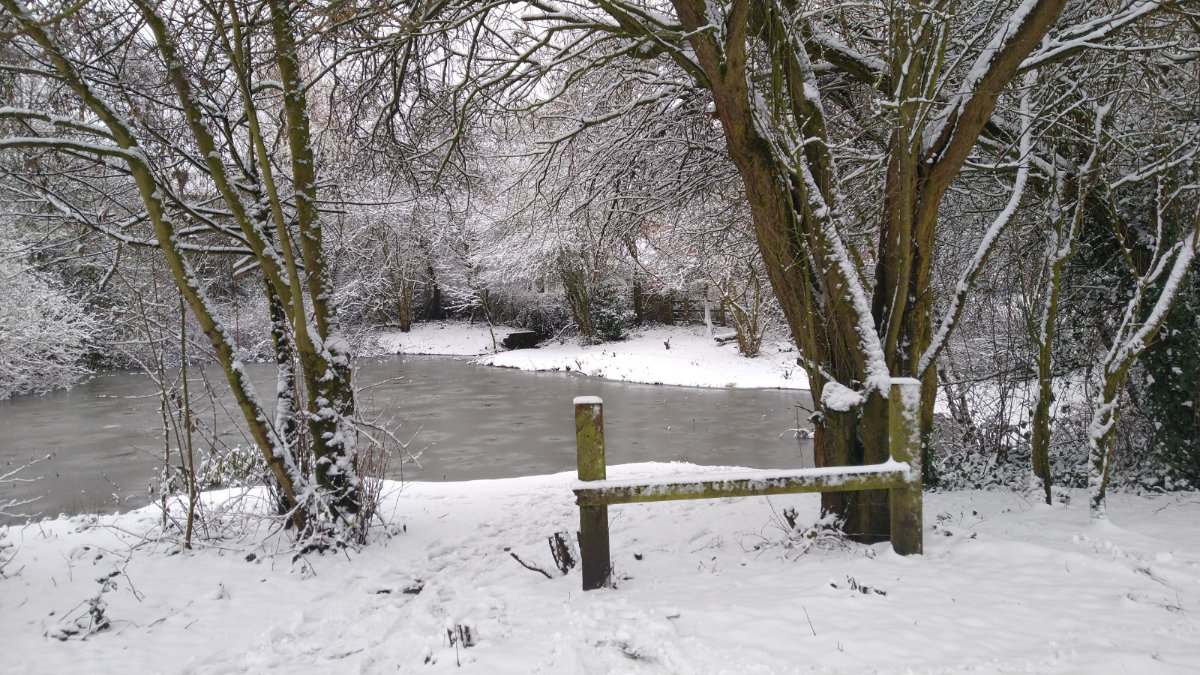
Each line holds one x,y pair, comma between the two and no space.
705,587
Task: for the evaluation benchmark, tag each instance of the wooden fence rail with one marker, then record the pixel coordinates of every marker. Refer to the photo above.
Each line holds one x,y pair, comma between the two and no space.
900,475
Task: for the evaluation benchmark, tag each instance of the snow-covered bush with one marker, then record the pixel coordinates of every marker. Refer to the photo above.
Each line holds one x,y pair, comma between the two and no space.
44,333
611,311
600,305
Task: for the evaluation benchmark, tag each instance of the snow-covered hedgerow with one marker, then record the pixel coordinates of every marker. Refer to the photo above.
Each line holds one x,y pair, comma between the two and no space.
44,334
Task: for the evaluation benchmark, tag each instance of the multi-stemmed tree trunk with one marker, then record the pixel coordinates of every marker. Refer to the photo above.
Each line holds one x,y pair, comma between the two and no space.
783,152
936,70
304,323
325,357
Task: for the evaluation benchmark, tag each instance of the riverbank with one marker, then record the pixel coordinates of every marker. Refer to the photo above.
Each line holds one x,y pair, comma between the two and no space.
713,586
677,355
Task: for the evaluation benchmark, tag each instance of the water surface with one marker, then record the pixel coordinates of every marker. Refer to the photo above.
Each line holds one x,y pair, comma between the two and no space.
466,421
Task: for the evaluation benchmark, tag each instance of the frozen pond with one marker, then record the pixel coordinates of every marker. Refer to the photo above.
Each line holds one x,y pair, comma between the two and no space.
469,422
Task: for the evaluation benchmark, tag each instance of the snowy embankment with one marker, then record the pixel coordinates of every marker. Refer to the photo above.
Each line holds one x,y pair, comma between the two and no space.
442,338
704,587
679,355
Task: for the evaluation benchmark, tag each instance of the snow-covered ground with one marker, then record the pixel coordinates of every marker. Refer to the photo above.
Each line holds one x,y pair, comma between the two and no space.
691,359
716,586
446,338
1005,585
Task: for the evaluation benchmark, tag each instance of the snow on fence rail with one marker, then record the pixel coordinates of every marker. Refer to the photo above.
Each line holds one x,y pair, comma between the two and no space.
900,475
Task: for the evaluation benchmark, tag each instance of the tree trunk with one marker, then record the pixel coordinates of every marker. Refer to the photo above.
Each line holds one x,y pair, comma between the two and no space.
433,299
327,368
776,136
809,272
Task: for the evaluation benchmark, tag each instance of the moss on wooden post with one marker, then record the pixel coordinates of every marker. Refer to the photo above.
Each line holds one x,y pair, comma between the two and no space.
630,491
593,520
904,442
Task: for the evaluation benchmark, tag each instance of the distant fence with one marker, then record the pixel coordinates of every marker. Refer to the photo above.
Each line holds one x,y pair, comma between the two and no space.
901,476
686,311
682,310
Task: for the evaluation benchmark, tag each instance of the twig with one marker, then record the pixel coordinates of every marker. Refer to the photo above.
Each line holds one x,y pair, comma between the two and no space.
806,616
527,566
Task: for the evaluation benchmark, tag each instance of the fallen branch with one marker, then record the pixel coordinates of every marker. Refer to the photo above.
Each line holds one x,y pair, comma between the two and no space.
527,566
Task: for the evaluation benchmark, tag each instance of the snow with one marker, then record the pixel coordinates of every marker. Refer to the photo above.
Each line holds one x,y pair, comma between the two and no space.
710,586
691,361
731,478
1089,33
707,586
1008,29
445,338
839,397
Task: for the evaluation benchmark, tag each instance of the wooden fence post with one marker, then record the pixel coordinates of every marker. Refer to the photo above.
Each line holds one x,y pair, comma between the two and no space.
593,520
904,444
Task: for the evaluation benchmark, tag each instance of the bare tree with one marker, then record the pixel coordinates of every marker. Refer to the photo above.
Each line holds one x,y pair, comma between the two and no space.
203,108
